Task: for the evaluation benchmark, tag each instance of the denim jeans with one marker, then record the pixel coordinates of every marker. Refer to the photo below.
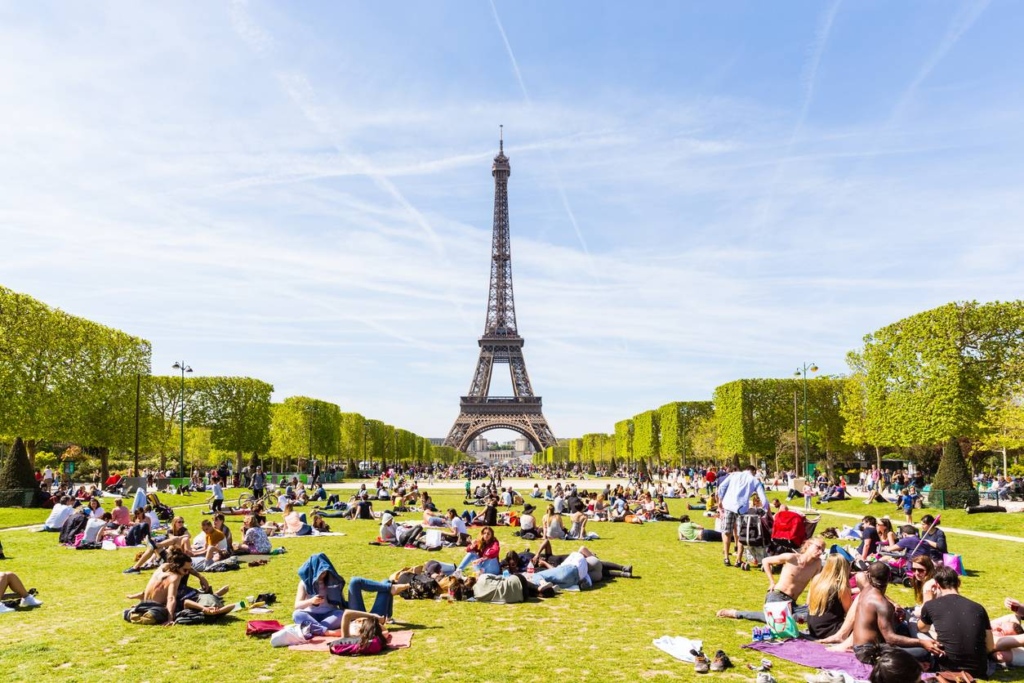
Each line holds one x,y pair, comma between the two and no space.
383,604
318,622
488,566
564,576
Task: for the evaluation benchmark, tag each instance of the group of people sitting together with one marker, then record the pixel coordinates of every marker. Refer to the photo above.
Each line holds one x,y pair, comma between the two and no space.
847,606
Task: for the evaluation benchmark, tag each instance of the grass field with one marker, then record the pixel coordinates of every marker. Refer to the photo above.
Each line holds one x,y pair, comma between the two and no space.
603,634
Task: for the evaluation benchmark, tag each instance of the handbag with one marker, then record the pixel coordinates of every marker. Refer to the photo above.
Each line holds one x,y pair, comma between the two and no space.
779,617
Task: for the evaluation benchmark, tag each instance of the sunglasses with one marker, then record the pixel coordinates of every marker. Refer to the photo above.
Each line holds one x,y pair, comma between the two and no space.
919,570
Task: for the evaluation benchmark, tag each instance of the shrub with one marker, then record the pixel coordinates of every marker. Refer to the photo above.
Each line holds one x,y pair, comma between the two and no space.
16,476
952,486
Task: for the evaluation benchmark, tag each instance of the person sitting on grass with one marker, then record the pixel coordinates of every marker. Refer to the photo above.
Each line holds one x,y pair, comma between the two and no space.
168,588
483,553
177,537
229,542
10,580
211,544
962,627
59,514
797,570
294,523
459,534
320,600
552,525
255,541
933,538
361,508
579,519
829,598
874,621
688,531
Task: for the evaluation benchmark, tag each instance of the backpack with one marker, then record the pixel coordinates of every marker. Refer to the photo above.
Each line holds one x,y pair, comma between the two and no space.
422,587
163,512
73,525
750,530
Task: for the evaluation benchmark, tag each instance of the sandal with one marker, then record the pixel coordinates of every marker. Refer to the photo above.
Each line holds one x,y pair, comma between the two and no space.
728,563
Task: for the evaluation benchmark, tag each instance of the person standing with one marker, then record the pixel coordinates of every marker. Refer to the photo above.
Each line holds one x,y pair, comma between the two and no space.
259,483
734,494
217,500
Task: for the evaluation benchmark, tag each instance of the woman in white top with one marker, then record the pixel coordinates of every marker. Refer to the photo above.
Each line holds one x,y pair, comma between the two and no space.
94,508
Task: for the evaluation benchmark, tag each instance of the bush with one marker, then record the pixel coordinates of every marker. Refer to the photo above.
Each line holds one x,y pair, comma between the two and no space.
952,486
16,476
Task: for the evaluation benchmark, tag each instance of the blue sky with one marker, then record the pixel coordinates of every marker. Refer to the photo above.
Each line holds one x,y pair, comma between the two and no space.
700,192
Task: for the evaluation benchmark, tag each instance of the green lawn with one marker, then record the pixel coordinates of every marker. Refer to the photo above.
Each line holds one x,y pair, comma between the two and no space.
603,634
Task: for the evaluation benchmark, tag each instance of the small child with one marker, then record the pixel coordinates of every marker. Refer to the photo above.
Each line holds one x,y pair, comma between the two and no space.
808,494
907,503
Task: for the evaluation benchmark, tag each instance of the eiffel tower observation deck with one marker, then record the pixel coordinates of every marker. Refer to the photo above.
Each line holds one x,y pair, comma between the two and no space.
500,344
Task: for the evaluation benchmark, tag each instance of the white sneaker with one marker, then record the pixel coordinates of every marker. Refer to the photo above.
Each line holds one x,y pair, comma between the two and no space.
4,608
30,601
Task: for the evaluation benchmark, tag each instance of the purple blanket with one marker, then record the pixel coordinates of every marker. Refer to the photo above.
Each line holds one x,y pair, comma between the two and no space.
813,654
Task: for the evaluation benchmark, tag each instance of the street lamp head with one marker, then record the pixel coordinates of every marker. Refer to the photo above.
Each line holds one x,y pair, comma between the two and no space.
813,368
176,366
797,373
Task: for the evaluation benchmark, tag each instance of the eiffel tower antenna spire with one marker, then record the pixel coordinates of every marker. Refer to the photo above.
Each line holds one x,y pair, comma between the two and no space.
501,343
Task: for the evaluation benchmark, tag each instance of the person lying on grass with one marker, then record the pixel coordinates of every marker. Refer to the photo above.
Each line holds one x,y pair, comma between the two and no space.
688,531
544,558
10,580
1009,635
400,535
797,570
168,586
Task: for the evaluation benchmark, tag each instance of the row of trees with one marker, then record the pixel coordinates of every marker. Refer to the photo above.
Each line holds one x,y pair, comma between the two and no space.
954,372
66,380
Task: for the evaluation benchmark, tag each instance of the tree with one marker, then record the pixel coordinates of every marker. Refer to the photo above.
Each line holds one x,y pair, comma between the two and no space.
676,420
353,436
952,485
624,440
646,436
704,437
1003,427
929,375
16,476
237,409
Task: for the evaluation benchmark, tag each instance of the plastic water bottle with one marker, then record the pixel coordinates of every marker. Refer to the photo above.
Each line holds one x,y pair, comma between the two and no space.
755,635
529,568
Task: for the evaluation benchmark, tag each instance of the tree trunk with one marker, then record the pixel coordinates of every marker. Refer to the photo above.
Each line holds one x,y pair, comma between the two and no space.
878,457
163,461
238,463
30,448
104,464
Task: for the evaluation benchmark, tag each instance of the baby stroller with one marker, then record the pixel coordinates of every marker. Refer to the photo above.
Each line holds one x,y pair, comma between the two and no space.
163,512
789,531
753,532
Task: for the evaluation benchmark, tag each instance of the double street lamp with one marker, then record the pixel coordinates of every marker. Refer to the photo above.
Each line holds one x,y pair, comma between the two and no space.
807,449
180,365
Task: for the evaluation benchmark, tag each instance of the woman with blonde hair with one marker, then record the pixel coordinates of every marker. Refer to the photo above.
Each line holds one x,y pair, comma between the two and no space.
829,598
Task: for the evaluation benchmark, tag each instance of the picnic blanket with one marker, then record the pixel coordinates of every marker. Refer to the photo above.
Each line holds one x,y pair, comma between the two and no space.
397,640
813,654
678,646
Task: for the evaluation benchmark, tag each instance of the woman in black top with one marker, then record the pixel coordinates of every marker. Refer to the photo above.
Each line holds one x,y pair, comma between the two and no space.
829,598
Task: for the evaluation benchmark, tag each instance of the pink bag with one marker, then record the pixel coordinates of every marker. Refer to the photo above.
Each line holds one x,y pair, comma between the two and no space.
954,562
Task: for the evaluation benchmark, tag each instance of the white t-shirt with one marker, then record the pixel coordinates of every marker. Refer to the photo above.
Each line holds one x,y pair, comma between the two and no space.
48,473
98,512
527,522
154,521
458,525
577,559
58,516
218,492
559,504
92,528
283,500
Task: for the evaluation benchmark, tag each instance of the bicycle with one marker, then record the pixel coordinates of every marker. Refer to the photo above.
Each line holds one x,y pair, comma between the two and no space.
268,499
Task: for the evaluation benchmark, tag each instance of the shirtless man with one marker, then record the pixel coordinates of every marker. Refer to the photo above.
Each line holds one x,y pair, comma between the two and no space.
875,619
797,571
167,581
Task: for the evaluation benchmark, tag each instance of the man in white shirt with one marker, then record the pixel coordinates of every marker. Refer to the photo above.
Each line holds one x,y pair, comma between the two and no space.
59,514
559,504
734,494
47,478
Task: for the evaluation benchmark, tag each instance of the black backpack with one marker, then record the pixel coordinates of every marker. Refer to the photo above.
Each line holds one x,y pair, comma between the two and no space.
421,587
73,525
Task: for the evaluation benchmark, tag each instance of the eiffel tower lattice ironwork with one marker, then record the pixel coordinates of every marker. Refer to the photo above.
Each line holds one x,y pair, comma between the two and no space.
500,344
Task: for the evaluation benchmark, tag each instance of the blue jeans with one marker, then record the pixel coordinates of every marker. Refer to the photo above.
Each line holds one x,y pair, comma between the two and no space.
383,604
488,566
318,622
565,576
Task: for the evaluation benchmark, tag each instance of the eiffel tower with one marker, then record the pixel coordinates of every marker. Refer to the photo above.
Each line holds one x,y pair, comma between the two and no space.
500,343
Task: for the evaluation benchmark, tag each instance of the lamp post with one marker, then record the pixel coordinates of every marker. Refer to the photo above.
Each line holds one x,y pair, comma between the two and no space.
311,409
180,365
803,370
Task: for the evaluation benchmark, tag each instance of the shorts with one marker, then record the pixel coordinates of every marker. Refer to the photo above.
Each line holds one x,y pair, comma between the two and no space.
729,521
210,600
